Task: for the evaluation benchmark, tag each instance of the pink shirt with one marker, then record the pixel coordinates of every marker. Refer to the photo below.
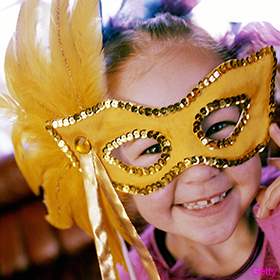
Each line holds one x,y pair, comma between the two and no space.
265,266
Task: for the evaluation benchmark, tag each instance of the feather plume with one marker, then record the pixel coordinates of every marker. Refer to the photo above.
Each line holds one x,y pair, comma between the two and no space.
86,30
8,108
47,83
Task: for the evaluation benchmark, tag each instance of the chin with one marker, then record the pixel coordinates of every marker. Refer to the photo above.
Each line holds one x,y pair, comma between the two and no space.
215,234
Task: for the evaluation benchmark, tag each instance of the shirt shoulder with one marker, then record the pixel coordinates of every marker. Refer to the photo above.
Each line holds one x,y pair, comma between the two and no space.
165,272
147,238
271,224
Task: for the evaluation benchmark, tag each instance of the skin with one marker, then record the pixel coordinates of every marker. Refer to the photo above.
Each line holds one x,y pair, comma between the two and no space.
206,243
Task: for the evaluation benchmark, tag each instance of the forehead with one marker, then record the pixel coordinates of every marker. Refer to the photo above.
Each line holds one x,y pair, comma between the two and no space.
160,75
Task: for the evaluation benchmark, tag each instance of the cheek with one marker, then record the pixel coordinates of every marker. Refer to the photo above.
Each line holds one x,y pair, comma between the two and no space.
248,172
156,207
246,178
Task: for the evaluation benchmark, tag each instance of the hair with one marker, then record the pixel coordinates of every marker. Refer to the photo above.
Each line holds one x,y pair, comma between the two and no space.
125,39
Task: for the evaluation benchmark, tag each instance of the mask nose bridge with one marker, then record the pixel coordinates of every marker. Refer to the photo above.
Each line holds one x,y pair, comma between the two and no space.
184,141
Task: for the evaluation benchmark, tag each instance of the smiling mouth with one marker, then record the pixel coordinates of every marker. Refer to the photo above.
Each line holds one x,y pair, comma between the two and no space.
200,204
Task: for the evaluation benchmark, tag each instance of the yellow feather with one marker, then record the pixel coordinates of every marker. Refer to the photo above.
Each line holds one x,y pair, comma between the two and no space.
46,83
86,30
57,194
8,107
26,67
64,60
49,83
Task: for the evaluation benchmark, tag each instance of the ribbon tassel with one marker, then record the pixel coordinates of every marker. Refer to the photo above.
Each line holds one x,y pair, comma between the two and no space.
110,223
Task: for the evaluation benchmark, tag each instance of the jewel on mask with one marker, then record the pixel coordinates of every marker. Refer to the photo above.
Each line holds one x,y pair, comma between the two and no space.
82,145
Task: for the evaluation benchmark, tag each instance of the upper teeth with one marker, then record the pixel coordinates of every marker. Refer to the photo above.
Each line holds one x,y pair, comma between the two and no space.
205,203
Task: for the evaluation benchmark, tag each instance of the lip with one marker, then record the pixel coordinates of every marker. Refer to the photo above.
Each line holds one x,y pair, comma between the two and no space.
205,197
209,211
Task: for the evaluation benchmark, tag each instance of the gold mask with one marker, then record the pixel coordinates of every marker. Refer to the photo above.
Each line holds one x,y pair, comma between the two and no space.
246,83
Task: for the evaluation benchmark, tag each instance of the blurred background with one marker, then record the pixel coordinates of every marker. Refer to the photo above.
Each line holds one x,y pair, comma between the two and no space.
29,247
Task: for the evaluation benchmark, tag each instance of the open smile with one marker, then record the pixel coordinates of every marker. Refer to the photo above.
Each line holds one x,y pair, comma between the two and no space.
208,206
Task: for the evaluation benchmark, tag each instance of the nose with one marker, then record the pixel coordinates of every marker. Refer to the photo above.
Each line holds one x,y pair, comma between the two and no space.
199,174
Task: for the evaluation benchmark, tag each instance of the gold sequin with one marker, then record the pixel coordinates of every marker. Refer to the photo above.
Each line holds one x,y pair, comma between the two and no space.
54,124
212,79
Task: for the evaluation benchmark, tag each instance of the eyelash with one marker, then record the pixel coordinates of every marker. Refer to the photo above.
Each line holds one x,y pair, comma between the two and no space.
149,152
218,127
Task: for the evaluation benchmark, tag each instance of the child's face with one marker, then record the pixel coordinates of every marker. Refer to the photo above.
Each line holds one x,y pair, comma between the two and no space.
163,76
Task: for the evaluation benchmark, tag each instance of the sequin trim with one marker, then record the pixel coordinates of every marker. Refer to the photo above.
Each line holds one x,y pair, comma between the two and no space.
182,165
241,101
133,135
163,111
51,126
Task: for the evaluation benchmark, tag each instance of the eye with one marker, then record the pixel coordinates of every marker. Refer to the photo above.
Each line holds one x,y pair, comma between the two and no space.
221,123
219,126
139,153
154,149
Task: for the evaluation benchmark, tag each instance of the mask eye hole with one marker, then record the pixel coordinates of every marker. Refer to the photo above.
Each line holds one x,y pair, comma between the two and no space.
219,123
138,152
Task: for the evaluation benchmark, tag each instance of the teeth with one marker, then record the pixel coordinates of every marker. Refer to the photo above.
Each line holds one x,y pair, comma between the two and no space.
202,203
190,205
215,199
223,195
205,203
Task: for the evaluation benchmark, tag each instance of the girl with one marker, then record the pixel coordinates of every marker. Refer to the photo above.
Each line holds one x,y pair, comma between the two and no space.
200,223
183,145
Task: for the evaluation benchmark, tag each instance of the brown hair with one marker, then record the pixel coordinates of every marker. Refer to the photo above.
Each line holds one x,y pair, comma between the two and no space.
164,28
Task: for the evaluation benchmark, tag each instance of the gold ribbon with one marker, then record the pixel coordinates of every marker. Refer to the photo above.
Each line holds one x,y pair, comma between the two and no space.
110,222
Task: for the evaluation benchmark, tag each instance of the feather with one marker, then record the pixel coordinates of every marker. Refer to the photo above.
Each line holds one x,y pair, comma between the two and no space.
26,67
64,58
55,82
8,105
46,83
87,36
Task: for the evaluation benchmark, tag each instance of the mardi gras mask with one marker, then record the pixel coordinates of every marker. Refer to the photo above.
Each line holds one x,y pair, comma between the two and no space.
247,84
65,133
